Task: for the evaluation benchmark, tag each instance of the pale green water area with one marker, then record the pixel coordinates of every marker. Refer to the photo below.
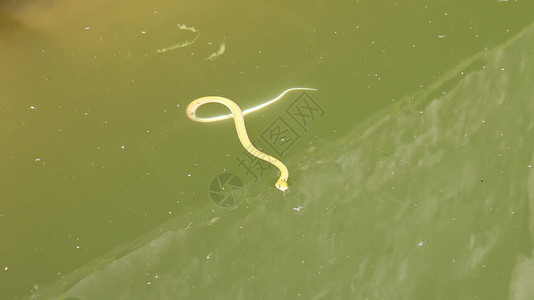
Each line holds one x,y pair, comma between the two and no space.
411,168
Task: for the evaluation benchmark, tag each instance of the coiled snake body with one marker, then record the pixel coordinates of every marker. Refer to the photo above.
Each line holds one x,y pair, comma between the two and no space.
237,114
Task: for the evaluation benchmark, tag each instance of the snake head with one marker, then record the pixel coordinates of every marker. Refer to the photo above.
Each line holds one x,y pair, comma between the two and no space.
282,185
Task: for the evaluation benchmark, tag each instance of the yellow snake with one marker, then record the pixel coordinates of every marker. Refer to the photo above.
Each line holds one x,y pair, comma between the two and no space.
281,184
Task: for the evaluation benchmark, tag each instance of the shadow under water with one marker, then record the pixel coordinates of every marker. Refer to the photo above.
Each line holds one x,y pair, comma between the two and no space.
430,199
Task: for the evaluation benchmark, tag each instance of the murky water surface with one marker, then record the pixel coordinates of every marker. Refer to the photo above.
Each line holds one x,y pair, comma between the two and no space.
411,168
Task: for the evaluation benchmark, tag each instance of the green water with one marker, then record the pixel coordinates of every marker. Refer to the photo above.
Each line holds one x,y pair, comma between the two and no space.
411,174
